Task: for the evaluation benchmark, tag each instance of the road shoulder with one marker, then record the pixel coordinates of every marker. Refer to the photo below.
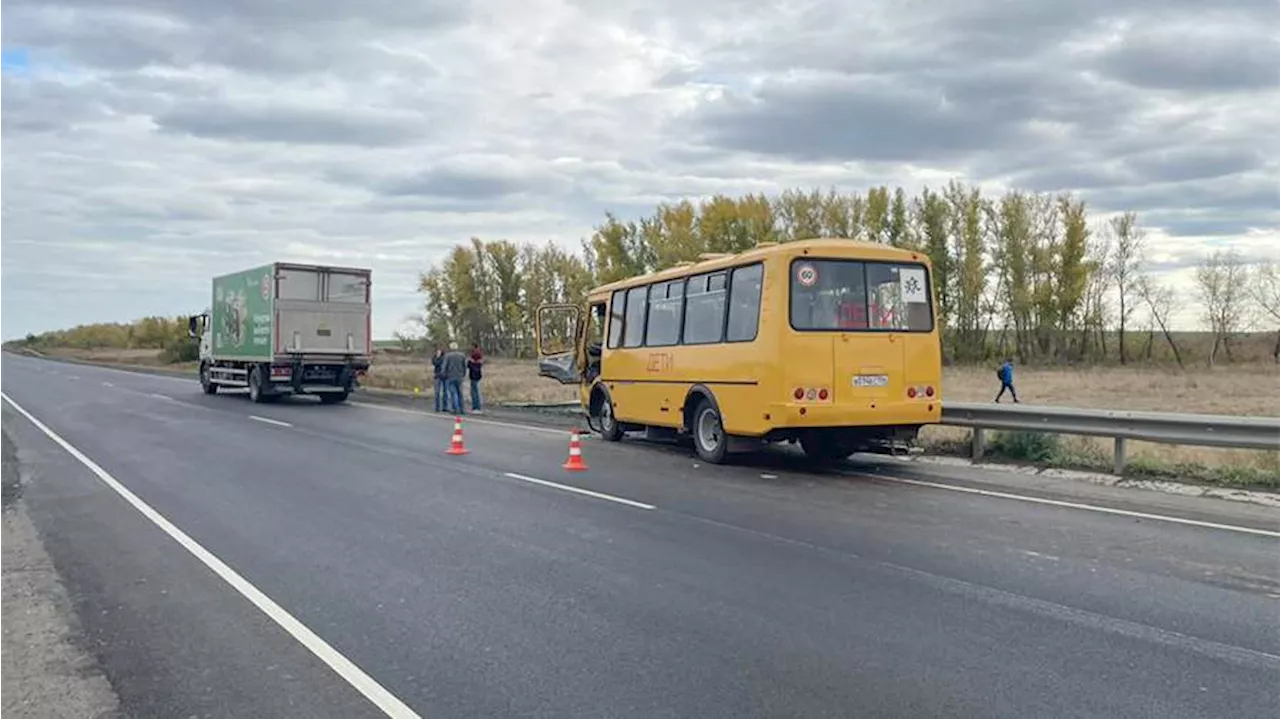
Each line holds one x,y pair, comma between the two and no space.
46,671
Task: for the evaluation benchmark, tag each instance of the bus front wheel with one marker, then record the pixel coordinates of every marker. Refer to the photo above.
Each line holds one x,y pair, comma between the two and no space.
609,428
709,438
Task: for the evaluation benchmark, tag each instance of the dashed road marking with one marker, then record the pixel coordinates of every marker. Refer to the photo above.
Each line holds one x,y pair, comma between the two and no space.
579,490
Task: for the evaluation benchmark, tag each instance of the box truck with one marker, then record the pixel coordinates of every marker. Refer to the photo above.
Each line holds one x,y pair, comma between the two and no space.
286,328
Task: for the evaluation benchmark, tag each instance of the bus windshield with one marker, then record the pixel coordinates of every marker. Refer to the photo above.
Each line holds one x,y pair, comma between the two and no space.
852,295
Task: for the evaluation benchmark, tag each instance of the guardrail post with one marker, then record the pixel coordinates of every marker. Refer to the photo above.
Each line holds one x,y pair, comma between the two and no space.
1119,467
979,443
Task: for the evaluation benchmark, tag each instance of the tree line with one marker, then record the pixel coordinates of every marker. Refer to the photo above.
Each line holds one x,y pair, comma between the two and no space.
1025,274
167,334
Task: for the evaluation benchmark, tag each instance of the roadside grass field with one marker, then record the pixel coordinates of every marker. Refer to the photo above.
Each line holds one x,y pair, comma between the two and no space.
1246,389
126,358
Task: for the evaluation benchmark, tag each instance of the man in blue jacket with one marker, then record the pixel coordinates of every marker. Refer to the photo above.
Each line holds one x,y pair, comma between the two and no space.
1005,373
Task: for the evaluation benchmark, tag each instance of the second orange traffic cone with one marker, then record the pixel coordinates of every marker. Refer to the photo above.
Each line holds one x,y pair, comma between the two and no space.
575,463
455,445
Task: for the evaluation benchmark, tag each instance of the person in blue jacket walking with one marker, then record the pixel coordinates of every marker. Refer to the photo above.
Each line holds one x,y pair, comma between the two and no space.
1005,373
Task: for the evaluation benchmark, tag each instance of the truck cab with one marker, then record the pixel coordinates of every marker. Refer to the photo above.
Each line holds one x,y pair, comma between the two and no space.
196,329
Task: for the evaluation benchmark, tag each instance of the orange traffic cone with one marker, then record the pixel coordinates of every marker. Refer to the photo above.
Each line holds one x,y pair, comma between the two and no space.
455,445
575,463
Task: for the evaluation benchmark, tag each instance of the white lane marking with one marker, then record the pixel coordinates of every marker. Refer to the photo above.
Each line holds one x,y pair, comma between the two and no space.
467,420
268,420
1076,505
73,376
107,384
161,396
345,668
577,490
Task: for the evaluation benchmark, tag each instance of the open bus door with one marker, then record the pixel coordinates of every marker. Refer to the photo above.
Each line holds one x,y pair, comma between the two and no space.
559,332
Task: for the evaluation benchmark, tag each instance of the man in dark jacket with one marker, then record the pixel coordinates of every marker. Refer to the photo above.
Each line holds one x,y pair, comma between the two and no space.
437,376
475,369
454,368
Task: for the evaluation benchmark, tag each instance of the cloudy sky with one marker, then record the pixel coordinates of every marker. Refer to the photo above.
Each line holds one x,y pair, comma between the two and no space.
149,144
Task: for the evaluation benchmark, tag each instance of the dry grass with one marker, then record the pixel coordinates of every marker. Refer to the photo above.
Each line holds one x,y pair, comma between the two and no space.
1237,390
1252,389
126,358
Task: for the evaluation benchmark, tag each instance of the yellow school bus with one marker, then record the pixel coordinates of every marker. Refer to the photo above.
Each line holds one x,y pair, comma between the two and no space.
831,343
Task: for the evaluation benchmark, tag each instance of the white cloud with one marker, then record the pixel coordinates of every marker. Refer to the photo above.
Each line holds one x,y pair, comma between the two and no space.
149,145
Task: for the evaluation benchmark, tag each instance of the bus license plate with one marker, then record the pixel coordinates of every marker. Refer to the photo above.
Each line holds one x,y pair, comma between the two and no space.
870,380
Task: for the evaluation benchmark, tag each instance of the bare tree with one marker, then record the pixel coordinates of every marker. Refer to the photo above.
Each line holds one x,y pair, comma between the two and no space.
1222,281
1159,301
1096,310
1123,267
1264,290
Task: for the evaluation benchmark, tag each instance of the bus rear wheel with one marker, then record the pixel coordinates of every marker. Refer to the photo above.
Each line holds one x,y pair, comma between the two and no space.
709,439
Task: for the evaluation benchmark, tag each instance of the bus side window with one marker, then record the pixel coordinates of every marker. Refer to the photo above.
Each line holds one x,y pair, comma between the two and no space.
637,309
617,318
744,294
704,309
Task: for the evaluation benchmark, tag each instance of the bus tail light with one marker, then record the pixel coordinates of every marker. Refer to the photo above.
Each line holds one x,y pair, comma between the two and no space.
799,393
822,393
911,392
928,391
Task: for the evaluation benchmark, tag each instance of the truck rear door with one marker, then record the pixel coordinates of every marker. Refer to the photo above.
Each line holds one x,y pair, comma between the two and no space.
322,311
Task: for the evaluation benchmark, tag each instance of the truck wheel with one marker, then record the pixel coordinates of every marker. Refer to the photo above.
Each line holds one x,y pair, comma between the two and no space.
709,438
334,397
256,393
206,379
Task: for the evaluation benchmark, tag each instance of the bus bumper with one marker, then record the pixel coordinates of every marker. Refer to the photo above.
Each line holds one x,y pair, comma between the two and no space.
784,416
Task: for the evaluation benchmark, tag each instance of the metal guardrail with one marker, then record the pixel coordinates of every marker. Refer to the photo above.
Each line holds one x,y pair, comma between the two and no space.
1206,430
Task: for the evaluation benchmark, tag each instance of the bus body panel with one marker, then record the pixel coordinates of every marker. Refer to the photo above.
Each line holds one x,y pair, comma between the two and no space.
650,386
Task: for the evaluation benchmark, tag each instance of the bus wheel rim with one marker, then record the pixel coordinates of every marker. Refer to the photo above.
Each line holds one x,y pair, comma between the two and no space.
606,416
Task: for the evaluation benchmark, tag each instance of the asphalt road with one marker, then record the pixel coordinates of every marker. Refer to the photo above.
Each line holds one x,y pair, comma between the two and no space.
485,586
